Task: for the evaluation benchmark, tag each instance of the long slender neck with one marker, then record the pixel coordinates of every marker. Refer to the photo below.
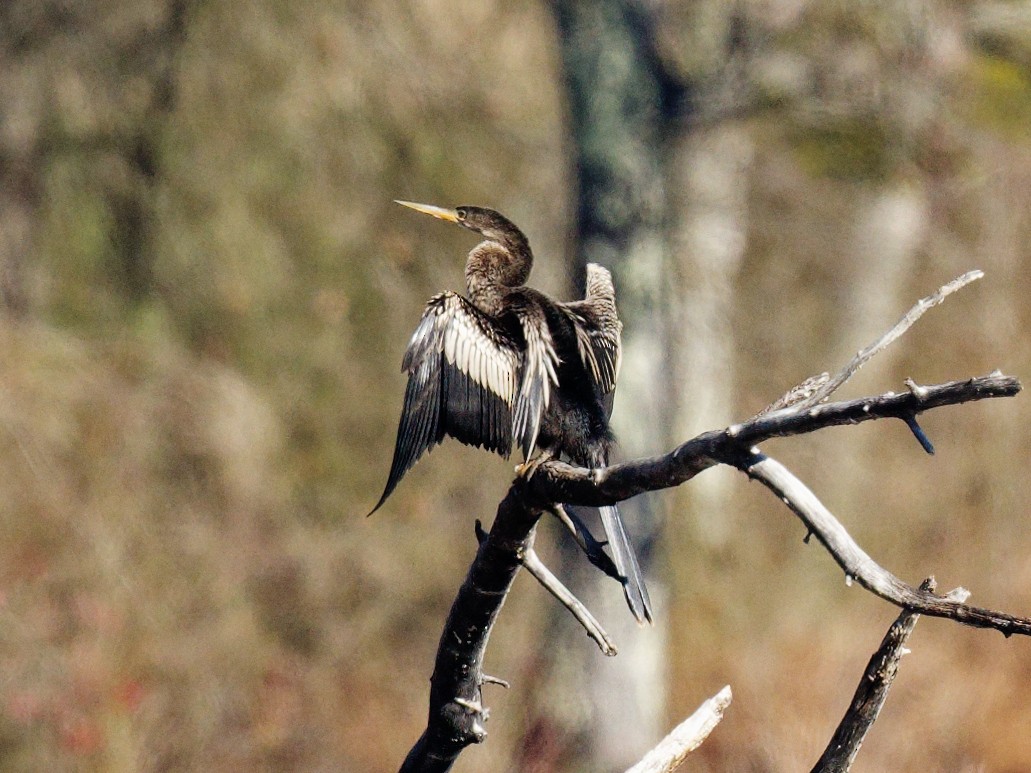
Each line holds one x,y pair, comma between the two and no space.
520,258
493,268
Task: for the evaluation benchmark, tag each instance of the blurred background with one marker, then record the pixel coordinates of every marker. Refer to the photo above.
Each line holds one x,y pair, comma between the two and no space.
206,293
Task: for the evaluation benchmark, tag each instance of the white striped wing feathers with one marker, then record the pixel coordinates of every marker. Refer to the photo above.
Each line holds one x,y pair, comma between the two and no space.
598,329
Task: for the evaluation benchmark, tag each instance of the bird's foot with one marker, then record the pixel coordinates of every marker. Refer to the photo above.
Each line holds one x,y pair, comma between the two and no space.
473,705
529,467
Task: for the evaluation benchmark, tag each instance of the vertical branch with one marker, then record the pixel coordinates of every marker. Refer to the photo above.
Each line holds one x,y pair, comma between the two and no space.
870,694
457,717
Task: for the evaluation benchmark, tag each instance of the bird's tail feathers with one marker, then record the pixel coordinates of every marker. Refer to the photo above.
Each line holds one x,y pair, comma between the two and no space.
625,558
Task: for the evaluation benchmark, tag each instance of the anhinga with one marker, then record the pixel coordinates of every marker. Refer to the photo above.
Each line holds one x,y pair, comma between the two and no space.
511,364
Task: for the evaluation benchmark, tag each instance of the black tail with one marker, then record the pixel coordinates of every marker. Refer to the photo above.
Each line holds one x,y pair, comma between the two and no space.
626,563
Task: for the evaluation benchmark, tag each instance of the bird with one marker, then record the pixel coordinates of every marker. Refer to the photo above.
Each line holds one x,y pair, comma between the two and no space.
510,365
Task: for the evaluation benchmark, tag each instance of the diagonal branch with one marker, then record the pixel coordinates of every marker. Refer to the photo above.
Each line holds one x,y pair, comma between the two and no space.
863,356
857,563
576,608
672,750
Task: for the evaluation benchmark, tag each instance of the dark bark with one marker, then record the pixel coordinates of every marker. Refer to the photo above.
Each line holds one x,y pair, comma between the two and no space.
457,717
871,693
621,481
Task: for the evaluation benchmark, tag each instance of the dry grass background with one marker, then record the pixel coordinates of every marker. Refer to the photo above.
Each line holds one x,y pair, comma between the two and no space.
187,581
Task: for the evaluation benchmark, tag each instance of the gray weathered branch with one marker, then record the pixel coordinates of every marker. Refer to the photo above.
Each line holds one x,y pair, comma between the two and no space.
857,564
671,751
583,615
863,356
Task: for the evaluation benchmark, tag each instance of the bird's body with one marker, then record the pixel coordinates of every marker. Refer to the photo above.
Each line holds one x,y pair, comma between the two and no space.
509,364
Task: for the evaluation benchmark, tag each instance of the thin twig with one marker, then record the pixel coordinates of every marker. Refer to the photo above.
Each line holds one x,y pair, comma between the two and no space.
870,694
671,751
865,355
551,583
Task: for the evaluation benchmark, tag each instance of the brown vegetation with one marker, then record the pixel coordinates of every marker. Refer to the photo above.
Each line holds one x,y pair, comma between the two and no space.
207,293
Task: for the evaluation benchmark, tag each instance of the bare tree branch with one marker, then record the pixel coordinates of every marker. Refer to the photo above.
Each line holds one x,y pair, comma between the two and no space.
672,750
457,717
865,355
554,586
858,565
555,481
870,694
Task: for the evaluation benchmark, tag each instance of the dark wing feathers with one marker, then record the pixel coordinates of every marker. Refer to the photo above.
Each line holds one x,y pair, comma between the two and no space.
538,375
463,371
598,328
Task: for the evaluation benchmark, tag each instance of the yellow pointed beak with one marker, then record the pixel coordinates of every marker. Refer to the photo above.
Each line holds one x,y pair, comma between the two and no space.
428,209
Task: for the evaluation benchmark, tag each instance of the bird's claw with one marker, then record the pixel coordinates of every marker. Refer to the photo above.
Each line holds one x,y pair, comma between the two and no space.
527,469
473,705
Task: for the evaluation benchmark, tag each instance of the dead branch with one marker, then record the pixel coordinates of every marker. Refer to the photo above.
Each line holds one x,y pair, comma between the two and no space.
457,715
870,694
583,615
858,565
613,484
672,750
863,356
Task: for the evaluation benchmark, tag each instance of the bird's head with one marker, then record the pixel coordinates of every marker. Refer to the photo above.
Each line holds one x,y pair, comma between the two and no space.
508,261
492,225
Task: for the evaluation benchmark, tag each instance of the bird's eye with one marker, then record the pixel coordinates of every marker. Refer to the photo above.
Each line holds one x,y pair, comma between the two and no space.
461,212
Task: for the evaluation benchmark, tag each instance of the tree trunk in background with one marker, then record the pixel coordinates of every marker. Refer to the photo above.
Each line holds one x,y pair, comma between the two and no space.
889,231
40,46
708,177
19,180
133,207
602,712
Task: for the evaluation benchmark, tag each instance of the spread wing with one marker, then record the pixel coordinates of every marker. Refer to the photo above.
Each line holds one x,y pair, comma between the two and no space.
598,328
463,376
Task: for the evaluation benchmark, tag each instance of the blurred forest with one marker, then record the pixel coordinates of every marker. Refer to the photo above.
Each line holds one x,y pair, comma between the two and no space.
207,291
